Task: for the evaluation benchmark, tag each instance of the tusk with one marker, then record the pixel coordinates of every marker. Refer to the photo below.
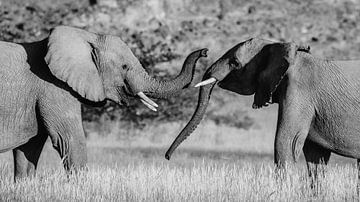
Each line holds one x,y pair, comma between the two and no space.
148,105
206,82
147,99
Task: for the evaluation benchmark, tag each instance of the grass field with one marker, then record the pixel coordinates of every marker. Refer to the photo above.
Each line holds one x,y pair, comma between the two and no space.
125,174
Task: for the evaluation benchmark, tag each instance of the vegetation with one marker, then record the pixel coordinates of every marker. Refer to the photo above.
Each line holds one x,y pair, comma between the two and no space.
149,181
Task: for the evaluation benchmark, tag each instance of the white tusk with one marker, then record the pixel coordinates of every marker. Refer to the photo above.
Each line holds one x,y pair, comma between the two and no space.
148,105
206,82
147,99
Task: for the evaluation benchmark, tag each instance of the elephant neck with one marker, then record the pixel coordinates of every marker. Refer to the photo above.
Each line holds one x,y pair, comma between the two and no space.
36,51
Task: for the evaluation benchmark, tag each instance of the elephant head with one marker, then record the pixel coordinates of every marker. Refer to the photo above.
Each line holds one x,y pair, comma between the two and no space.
100,67
255,66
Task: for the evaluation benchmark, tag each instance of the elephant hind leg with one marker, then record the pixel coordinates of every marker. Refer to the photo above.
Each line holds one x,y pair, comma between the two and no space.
317,157
27,156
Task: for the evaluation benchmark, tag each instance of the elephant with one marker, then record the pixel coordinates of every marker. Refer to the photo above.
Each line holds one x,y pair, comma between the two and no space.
44,83
319,100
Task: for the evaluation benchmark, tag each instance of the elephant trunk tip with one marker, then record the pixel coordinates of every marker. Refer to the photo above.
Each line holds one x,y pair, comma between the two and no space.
167,156
203,52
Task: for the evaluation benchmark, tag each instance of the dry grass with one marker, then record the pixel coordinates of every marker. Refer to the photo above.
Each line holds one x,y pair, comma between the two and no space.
142,174
201,181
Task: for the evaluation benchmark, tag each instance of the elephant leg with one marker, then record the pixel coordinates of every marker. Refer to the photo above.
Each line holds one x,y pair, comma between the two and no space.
77,158
291,133
316,158
294,121
68,139
71,146
61,117
27,156
287,150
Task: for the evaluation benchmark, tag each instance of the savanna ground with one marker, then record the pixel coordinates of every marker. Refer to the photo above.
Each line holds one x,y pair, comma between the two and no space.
229,157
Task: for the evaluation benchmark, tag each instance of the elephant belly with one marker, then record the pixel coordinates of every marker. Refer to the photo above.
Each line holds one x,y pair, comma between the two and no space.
340,142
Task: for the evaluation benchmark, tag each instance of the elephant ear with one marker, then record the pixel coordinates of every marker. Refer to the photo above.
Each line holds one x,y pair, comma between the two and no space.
72,58
274,59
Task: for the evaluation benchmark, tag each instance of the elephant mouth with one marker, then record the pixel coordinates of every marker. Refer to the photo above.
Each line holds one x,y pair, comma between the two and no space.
128,92
123,95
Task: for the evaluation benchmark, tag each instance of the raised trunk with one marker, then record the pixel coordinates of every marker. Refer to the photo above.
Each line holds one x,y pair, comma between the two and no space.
165,89
203,101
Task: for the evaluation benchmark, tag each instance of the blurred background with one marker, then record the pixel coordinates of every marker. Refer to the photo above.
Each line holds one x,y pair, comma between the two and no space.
162,33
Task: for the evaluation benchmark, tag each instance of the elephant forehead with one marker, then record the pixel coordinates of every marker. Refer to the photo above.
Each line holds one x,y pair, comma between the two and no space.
112,43
249,49
115,49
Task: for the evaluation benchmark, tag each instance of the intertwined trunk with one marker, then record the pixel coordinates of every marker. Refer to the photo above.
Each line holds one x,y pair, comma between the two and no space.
165,89
203,101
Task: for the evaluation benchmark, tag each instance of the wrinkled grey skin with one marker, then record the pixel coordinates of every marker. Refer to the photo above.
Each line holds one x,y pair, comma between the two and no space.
319,100
43,83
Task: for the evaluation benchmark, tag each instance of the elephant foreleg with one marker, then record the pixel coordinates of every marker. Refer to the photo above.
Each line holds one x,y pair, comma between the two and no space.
61,116
316,158
292,130
27,156
71,148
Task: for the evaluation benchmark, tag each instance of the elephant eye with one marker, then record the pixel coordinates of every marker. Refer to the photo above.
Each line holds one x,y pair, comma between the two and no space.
125,66
234,62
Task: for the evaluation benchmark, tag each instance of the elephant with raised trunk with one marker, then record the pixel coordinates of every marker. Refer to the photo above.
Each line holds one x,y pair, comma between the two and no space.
42,85
319,100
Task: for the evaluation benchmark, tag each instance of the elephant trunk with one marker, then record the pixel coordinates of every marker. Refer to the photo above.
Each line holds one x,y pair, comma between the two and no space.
203,101
165,89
